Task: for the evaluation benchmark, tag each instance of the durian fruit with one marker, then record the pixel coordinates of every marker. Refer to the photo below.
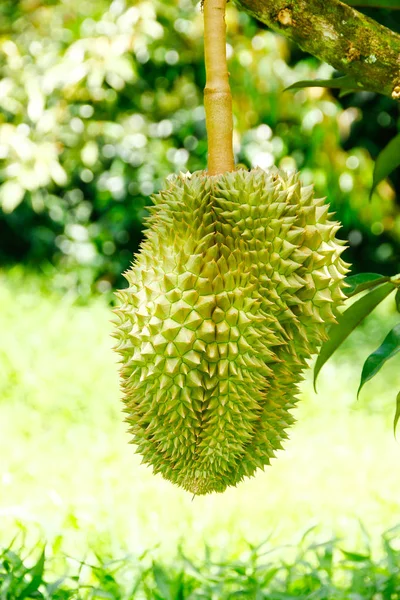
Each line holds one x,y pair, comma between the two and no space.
232,291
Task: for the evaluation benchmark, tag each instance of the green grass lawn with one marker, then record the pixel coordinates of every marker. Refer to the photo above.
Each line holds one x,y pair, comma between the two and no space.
67,471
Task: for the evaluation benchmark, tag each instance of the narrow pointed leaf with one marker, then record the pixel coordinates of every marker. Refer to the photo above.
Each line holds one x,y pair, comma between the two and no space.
397,300
348,321
375,361
342,83
162,581
355,556
387,161
397,414
36,573
362,281
344,93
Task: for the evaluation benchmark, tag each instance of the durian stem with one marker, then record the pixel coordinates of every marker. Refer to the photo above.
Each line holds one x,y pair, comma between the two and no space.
217,93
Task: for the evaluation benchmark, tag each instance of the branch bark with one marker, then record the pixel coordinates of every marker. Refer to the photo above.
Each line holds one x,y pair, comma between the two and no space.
339,35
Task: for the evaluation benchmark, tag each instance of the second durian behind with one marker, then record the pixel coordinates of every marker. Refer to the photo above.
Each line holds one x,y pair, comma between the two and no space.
234,287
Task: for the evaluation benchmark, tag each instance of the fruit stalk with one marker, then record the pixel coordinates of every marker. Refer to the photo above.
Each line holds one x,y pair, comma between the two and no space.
217,93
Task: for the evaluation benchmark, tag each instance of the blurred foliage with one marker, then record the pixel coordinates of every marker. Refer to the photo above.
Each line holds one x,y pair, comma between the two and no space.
309,570
100,101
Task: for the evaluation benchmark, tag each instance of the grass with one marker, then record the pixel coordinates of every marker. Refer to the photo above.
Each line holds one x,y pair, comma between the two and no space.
317,571
68,474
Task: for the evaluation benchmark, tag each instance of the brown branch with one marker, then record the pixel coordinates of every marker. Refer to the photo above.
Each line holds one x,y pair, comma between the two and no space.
339,35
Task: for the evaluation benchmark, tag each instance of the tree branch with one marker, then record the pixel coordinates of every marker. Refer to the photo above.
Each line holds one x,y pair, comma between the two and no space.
339,35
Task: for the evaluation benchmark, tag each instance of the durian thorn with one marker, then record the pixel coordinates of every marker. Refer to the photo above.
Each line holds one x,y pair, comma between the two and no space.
217,93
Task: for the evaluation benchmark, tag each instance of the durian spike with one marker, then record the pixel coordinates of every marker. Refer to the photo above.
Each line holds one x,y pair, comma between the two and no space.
217,93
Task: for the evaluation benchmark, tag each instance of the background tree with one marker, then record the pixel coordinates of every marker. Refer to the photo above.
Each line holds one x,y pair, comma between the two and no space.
100,102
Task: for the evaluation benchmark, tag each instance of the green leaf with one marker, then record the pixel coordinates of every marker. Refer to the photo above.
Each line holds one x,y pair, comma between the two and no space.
362,281
344,93
397,414
355,556
162,581
387,161
36,573
51,588
341,83
375,361
397,300
348,321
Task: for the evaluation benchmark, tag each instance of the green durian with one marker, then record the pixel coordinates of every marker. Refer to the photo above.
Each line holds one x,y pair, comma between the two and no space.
232,291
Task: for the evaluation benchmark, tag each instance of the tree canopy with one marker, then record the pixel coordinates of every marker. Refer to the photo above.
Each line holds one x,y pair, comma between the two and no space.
100,102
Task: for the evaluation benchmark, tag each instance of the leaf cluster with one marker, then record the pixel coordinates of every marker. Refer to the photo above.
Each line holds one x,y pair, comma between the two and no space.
311,570
377,288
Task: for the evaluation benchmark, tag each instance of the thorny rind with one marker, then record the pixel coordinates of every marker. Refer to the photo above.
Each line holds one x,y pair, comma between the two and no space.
235,284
